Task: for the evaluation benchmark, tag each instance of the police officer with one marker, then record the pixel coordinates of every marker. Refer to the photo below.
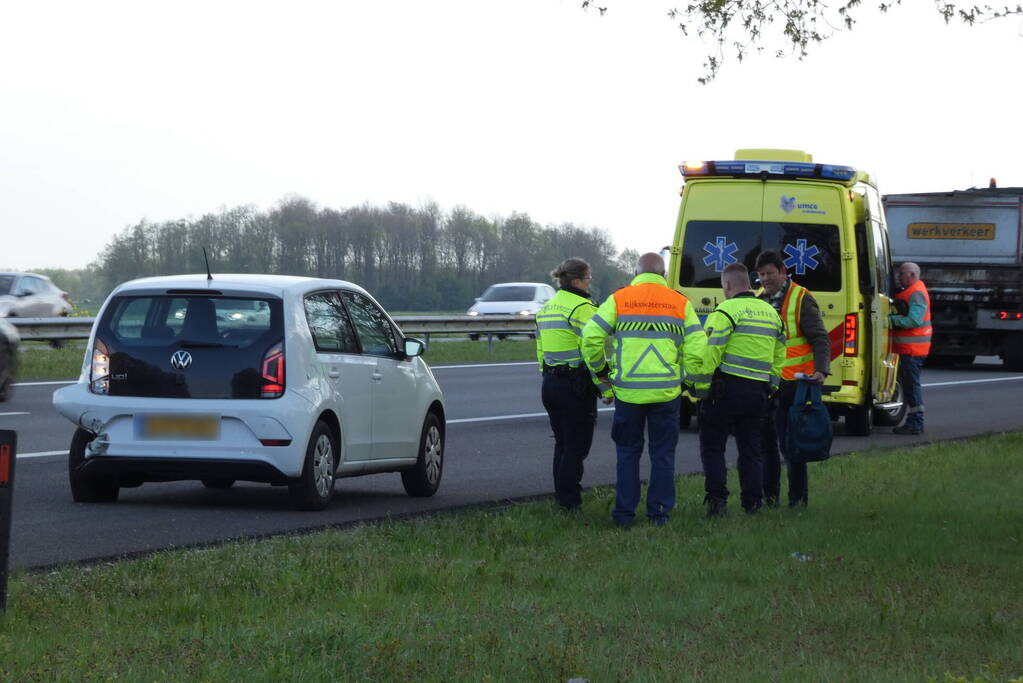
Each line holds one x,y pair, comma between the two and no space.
569,393
655,334
744,355
807,351
912,341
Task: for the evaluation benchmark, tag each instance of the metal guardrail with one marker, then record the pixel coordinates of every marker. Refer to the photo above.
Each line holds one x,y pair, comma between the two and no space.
426,325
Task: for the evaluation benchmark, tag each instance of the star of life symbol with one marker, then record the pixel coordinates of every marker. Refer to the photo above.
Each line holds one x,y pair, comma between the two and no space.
720,253
801,257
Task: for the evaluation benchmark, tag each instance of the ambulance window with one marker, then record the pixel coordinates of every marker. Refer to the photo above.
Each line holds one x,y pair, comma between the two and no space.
863,259
812,251
884,258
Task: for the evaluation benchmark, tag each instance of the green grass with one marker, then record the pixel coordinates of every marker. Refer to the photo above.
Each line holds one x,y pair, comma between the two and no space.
915,575
38,361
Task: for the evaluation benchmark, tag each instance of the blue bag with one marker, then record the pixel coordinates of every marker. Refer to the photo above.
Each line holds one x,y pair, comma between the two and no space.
808,433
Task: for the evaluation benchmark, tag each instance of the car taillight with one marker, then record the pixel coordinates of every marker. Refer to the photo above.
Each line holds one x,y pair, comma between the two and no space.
851,335
273,372
99,375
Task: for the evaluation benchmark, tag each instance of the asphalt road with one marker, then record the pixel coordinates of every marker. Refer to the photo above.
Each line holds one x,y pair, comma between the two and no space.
498,448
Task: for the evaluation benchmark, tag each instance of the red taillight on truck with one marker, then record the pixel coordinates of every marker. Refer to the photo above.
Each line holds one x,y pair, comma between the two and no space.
852,335
273,372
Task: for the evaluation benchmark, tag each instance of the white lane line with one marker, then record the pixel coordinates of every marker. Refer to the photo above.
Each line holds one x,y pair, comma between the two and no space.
520,416
40,455
10,414
482,365
39,384
972,381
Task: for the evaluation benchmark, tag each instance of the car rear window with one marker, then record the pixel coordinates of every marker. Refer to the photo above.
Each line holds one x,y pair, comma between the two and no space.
6,284
509,293
812,251
190,346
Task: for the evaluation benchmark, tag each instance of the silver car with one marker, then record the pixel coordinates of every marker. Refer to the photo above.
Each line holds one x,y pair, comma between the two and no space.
28,295
8,357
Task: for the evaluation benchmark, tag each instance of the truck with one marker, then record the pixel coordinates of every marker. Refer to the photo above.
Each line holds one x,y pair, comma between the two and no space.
968,246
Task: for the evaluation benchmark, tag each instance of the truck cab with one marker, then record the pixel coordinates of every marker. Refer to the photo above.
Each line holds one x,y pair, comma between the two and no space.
827,222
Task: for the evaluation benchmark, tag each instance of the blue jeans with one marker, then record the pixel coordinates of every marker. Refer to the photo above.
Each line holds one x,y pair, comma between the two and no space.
912,393
661,423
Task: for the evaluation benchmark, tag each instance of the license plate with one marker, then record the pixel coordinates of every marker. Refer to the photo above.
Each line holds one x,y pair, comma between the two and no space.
194,427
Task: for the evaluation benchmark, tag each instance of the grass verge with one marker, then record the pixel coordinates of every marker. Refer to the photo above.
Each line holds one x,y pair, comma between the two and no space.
913,574
38,361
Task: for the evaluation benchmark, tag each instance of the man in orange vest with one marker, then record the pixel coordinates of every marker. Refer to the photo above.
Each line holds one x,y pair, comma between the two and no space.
807,351
911,339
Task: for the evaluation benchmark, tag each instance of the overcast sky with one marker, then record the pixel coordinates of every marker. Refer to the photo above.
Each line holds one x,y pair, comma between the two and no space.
112,112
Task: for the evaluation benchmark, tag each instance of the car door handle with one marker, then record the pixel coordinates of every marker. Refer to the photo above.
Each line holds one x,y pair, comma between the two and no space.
377,376
334,373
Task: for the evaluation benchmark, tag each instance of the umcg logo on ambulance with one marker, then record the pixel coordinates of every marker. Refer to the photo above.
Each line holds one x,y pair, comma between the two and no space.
790,204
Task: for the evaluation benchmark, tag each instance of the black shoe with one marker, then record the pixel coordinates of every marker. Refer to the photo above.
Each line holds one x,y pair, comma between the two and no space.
905,430
752,509
771,501
716,507
797,503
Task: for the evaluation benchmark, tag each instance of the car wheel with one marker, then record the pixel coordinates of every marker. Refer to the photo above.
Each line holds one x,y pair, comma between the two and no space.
314,489
7,363
474,337
892,416
218,483
859,420
424,478
87,488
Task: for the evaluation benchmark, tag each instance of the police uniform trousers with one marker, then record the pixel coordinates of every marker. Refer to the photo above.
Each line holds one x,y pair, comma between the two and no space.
775,426
570,400
736,406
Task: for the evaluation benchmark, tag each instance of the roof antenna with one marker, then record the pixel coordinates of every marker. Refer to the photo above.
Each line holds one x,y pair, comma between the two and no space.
209,275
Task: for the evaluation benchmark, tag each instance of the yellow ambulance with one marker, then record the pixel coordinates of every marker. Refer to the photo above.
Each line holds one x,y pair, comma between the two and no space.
828,224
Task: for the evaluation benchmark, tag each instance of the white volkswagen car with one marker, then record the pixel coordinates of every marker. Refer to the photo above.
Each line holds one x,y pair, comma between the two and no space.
285,380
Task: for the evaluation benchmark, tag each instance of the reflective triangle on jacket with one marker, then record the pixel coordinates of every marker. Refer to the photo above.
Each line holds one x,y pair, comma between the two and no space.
668,370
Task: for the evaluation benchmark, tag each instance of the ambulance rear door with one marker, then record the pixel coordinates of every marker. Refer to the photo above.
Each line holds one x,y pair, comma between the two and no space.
883,360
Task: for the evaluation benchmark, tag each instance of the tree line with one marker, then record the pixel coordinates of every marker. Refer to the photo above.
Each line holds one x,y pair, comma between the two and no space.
409,258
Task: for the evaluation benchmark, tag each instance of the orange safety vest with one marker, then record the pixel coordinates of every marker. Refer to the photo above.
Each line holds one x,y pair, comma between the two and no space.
798,352
913,341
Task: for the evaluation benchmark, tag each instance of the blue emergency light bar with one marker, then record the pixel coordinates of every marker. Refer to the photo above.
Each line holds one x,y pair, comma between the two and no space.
761,169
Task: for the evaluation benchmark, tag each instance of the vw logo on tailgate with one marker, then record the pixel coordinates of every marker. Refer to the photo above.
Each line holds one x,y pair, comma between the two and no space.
181,360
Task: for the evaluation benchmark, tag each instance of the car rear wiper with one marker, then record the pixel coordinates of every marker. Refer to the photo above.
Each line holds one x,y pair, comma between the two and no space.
189,344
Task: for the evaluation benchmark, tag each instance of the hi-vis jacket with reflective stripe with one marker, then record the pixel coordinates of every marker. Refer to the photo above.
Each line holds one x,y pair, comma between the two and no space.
655,334
559,325
798,352
745,338
913,338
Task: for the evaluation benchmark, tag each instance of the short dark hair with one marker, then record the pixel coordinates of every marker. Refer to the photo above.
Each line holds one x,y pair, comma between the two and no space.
770,257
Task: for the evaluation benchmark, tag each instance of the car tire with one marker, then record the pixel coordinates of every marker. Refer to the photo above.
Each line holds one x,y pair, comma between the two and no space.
859,420
87,488
314,488
423,479
894,416
218,483
474,337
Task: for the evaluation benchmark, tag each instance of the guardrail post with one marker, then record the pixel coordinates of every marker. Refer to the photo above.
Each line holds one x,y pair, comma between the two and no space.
490,343
8,452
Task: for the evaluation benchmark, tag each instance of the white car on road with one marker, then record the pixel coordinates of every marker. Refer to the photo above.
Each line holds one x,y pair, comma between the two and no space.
314,381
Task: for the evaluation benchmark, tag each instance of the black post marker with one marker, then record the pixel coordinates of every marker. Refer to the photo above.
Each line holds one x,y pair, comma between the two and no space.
8,450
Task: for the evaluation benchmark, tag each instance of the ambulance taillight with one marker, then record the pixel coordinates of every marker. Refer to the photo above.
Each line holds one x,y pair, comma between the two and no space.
851,335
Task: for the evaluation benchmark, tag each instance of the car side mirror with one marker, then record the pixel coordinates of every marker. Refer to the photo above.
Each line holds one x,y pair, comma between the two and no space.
414,347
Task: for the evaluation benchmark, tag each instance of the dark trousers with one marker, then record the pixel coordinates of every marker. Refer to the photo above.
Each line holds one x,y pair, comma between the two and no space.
775,428
912,392
572,409
661,423
737,407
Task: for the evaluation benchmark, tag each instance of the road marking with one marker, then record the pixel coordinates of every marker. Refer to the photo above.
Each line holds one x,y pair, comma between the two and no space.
40,455
39,384
972,381
481,365
10,414
520,416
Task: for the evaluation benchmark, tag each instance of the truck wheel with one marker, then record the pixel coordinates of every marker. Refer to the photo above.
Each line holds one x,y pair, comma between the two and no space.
893,416
859,420
87,488
1012,353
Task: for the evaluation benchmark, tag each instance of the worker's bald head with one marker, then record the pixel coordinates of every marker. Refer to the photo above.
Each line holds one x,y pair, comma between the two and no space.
650,263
